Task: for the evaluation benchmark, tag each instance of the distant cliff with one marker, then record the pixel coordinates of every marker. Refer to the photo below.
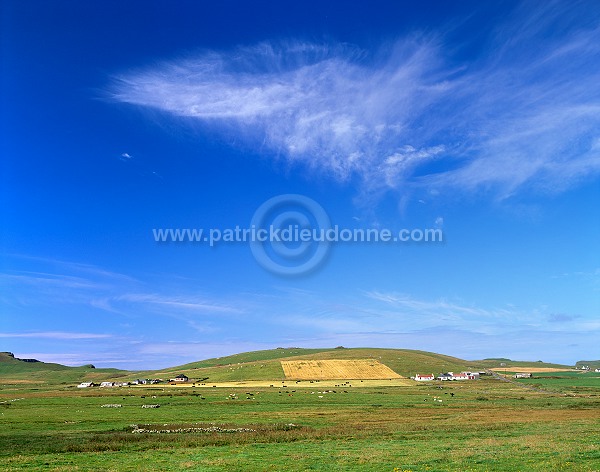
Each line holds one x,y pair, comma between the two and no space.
12,356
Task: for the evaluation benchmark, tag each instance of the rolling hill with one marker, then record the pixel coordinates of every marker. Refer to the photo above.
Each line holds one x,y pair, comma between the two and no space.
32,371
266,365
247,366
503,362
590,364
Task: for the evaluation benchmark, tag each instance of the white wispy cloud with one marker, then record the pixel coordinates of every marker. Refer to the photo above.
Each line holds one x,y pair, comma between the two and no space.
550,346
42,280
590,278
526,114
327,106
59,266
193,351
165,328
116,359
189,302
93,290
56,335
425,306
385,313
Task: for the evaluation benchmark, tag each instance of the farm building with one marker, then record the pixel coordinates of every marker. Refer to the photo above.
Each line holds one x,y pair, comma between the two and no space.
85,385
180,378
461,376
424,378
471,375
523,375
107,384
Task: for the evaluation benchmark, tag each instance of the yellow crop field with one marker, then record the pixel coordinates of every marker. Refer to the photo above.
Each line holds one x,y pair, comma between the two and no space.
337,369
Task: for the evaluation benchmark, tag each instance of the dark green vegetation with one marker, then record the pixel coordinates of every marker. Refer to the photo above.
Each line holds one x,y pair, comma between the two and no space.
477,426
567,382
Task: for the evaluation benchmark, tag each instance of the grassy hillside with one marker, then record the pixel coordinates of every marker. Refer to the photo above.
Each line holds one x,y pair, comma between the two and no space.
10,364
14,370
265,365
591,364
405,362
252,356
501,362
255,365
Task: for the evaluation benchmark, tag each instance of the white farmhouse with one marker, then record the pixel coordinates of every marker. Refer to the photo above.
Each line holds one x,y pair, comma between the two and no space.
180,378
424,378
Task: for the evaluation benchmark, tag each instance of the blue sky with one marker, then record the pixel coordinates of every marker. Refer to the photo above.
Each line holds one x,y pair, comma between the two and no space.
481,119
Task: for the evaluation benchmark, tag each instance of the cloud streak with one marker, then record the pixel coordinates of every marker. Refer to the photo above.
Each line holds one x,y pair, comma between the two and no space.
321,105
387,313
188,303
524,114
150,328
56,335
57,285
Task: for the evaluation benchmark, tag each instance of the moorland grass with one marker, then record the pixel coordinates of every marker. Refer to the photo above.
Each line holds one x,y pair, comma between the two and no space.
479,425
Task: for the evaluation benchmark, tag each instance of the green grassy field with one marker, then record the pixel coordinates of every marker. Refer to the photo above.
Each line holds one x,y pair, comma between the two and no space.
485,425
566,382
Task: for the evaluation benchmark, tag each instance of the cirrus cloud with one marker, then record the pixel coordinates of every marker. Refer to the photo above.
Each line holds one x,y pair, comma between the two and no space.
524,114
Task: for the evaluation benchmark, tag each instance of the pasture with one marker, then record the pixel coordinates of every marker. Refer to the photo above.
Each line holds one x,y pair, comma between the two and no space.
242,413
481,425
